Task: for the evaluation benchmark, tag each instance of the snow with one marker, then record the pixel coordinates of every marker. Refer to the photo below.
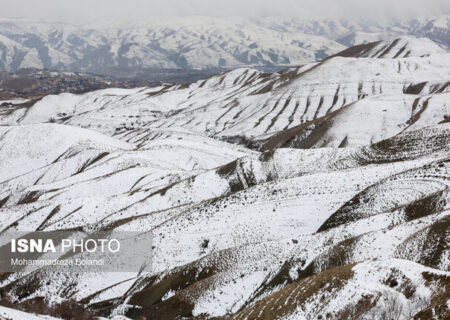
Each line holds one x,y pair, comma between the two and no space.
364,93
12,314
31,60
156,160
402,47
312,187
42,144
14,101
369,280
229,295
202,42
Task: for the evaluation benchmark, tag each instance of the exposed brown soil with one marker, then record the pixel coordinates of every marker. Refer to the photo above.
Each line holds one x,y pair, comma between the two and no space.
356,51
282,303
65,310
150,301
438,308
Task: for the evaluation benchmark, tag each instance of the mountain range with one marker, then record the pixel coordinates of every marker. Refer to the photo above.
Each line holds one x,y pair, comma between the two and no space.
315,192
120,48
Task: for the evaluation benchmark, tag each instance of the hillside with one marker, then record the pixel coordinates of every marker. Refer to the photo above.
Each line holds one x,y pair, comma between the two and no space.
397,48
262,109
315,192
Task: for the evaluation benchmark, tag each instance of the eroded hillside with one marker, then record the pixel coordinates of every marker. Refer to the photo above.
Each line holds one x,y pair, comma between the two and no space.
317,192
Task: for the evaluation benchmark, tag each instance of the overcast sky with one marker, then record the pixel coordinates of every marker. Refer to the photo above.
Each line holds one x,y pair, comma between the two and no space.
60,10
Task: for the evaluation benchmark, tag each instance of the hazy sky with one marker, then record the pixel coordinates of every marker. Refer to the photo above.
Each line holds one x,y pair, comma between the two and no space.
60,10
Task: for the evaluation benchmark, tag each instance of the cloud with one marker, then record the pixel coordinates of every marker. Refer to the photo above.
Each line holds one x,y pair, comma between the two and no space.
141,9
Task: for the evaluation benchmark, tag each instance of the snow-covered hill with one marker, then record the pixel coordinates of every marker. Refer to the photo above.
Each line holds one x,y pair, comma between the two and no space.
396,48
349,100
194,42
317,191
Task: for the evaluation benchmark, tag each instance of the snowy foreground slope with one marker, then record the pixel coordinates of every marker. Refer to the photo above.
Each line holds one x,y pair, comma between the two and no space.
318,192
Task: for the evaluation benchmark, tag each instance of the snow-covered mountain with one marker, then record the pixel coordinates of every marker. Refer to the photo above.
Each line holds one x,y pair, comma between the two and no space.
194,42
315,192
383,96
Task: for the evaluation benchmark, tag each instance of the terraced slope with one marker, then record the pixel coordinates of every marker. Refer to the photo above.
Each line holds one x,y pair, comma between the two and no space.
366,121
342,211
249,106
